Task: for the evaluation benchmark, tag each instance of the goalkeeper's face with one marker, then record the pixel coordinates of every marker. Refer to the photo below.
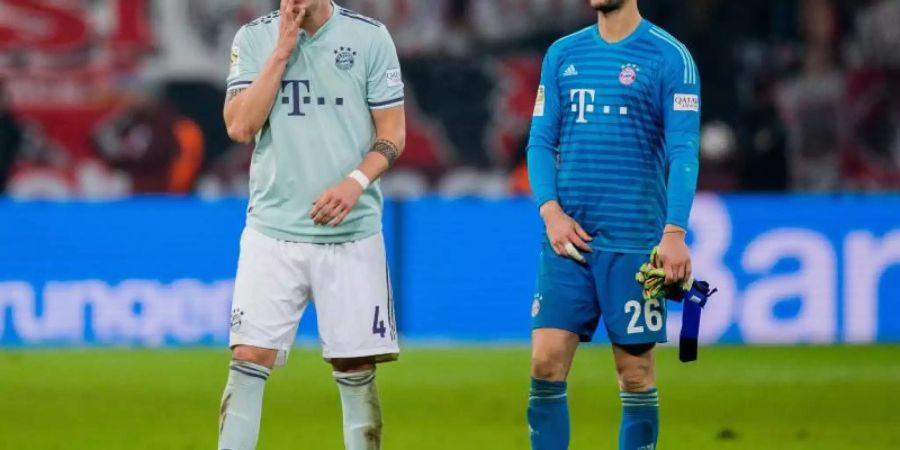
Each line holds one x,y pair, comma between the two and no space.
608,6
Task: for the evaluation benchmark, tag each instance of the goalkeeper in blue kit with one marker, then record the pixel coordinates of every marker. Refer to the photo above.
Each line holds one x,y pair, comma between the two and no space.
613,163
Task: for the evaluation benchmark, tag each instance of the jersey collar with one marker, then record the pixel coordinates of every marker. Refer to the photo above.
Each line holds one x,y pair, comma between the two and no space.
638,32
304,38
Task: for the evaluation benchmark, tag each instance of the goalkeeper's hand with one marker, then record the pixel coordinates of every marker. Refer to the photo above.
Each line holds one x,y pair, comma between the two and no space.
566,236
673,255
653,280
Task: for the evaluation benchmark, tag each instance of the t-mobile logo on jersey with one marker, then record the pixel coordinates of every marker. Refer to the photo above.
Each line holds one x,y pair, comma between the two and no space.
582,105
296,93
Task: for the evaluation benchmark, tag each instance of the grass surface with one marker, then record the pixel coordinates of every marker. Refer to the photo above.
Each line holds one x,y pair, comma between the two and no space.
823,398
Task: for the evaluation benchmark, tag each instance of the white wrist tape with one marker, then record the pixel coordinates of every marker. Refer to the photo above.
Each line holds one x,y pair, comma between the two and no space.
360,178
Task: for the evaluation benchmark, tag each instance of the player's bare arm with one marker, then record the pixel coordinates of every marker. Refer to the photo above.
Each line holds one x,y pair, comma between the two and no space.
674,255
562,230
246,110
333,206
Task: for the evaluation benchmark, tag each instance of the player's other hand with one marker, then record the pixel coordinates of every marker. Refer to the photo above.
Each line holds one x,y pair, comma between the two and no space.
292,15
563,231
335,204
673,255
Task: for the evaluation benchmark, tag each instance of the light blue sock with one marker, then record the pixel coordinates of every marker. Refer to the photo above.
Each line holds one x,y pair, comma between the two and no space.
640,420
241,408
548,415
361,410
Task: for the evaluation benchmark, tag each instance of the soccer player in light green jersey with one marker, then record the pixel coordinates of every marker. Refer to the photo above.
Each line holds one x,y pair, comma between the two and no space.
319,89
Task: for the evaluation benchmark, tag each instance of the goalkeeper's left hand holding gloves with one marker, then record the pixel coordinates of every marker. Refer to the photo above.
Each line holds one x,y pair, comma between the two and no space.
653,280
694,295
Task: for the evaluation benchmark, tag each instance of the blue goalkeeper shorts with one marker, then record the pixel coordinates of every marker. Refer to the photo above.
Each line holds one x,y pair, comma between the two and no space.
571,296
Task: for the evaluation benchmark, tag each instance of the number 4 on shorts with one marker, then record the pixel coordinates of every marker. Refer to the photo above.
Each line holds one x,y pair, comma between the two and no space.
378,325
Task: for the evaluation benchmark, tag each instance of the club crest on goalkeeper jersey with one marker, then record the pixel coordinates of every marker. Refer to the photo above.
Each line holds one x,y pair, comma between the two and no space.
320,127
621,121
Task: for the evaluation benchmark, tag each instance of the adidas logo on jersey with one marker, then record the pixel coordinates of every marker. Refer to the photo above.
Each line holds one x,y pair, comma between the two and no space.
570,71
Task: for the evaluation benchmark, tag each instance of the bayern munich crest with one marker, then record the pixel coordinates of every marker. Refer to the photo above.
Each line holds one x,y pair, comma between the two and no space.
628,75
344,58
536,305
237,319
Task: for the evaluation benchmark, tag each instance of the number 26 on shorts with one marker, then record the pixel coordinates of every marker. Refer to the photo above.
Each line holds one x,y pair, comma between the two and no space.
653,317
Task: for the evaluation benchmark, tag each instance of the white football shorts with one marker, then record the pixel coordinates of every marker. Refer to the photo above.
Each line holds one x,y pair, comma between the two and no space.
347,282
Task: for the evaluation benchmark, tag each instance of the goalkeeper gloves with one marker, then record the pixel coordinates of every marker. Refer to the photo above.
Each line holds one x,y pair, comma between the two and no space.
693,294
653,280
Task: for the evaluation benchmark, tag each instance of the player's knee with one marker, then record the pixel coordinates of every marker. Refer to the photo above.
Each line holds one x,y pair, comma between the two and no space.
546,367
353,364
262,356
637,376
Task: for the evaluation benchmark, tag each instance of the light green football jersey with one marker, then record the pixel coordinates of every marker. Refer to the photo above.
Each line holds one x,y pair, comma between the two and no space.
320,127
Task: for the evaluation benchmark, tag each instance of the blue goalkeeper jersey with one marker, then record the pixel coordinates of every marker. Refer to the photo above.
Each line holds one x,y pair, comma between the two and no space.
615,135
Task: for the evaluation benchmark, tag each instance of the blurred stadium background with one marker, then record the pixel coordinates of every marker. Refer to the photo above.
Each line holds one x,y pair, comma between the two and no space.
124,201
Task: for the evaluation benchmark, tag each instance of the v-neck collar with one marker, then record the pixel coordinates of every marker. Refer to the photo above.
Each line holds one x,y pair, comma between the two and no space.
640,30
304,36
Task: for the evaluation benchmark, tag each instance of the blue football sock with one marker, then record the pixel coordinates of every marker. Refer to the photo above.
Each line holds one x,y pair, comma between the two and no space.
548,415
640,420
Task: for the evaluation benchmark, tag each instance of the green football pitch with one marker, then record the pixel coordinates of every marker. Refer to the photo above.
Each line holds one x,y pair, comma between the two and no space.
773,398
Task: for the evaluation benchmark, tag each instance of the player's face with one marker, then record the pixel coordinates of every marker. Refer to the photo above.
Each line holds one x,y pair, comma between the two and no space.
297,5
607,6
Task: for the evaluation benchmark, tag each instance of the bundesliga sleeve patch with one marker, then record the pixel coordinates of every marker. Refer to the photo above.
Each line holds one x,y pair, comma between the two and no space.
687,102
539,103
235,59
394,78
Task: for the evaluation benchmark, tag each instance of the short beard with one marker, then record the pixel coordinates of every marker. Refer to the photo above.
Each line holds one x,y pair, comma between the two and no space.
610,6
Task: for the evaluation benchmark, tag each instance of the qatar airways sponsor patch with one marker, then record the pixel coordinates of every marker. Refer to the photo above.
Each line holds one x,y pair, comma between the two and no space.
394,78
687,102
